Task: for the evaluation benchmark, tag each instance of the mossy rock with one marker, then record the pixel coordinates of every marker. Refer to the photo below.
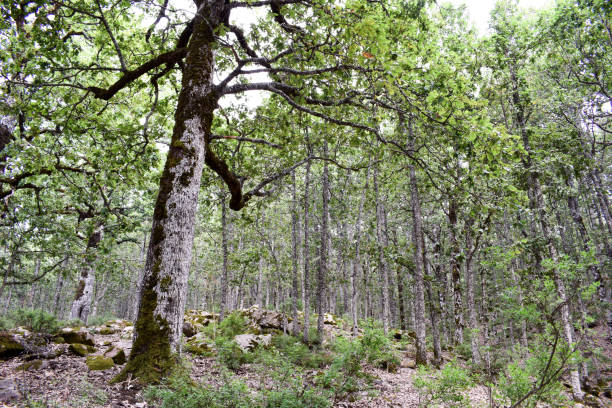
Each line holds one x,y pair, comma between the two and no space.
105,330
59,340
30,365
116,354
81,349
80,336
99,362
10,346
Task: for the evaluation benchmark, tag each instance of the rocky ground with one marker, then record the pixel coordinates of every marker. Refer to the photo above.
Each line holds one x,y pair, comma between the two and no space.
65,372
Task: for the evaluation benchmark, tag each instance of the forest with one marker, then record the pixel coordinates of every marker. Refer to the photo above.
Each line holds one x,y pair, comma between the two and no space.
305,204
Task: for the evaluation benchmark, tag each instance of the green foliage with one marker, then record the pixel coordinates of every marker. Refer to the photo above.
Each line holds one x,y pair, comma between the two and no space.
377,349
302,398
36,320
230,355
521,375
299,354
233,325
179,391
98,320
444,387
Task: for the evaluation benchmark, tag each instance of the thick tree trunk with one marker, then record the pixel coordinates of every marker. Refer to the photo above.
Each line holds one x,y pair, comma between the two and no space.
81,305
322,271
306,255
162,296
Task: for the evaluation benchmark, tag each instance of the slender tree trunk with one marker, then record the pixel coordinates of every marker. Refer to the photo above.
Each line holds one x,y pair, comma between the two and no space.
294,241
306,255
384,276
84,295
419,264
469,283
357,260
224,272
455,273
537,206
162,297
322,271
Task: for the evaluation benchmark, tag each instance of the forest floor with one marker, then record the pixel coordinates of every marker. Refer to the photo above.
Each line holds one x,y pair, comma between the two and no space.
66,381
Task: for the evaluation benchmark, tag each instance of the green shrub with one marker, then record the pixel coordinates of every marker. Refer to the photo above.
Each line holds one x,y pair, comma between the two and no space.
36,320
304,398
299,354
179,391
520,375
230,355
98,320
444,387
233,325
6,323
378,349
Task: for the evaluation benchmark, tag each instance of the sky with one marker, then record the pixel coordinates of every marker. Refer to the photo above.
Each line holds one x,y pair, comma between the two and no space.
479,10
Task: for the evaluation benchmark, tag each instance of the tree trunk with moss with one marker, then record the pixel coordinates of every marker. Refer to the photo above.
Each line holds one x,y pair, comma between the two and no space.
81,305
157,329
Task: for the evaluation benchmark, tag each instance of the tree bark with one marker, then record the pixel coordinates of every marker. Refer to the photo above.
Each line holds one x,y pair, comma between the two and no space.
224,272
455,273
306,255
382,245
419,264
162,296
81,305
294,242
322,271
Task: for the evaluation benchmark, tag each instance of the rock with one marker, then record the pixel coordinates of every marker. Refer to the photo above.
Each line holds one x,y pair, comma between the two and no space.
592,401
79,335
8,390
59,340
107,330
608,392
409,364
81,349
248,342
127,332
266,319
10,345
328,318
188,329
116,354
99,362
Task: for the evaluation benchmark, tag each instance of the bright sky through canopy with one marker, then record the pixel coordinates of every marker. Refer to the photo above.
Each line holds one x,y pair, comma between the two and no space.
479,11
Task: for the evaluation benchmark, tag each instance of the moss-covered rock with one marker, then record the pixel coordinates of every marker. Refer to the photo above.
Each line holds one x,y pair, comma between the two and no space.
99,362
107,330
30,365
10,345
116,354
81,349
59,340
199,345
77,335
